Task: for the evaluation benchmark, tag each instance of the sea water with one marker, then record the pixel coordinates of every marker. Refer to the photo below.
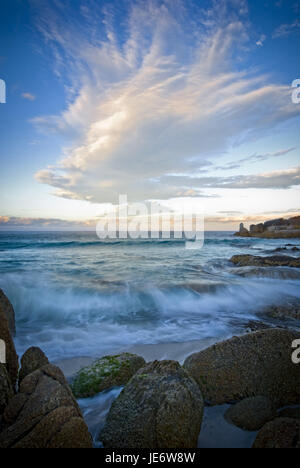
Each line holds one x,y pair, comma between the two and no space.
76,295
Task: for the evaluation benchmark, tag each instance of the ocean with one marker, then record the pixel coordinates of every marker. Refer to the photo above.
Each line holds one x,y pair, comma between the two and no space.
75,295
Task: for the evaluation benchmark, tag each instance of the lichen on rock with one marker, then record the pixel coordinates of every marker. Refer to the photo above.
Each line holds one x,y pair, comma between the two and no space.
44,414
105,373
161,407
255,364
251,414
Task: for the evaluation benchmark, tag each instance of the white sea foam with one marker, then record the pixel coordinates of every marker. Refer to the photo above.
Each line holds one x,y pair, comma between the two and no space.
76,322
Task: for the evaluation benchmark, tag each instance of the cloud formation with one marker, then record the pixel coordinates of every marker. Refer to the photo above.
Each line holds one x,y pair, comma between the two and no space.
283,179
233,220
12,222
160,99
224,220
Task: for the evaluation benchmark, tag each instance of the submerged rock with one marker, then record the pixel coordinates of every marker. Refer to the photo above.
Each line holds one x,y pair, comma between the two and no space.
251,365
275,260
255,325
105,373
263,272
161,407
32,360
286,249
251,414
280,433
288,310
44,414
7,309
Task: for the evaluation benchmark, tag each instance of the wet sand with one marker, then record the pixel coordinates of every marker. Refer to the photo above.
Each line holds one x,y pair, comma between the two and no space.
150,352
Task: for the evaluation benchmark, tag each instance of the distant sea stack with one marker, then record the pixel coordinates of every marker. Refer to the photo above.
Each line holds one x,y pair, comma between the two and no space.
275,229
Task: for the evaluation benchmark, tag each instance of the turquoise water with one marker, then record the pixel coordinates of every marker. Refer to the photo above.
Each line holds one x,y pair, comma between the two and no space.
75,295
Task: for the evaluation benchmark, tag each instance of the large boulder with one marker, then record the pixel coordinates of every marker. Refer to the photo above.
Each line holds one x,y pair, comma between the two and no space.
161,407
6,390
252,365
105,373
44,414
280,433
251,414
7,309
12,364
273,261
32,360
293,413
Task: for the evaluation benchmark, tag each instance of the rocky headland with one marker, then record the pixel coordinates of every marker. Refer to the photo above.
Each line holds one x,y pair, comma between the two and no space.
275,229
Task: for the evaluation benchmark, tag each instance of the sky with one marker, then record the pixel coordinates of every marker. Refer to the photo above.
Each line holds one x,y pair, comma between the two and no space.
185,102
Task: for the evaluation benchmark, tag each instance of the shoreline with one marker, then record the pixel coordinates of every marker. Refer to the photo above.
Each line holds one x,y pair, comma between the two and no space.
150,352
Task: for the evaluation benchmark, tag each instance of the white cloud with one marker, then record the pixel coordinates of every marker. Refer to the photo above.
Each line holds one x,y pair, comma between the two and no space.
161,101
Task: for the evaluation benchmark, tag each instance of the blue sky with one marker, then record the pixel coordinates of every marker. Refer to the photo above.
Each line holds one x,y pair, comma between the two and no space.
169,100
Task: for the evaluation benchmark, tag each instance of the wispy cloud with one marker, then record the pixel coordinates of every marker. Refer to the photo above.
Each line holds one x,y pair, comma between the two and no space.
254,158
162,98
28,96
235,219
283,179
287,29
